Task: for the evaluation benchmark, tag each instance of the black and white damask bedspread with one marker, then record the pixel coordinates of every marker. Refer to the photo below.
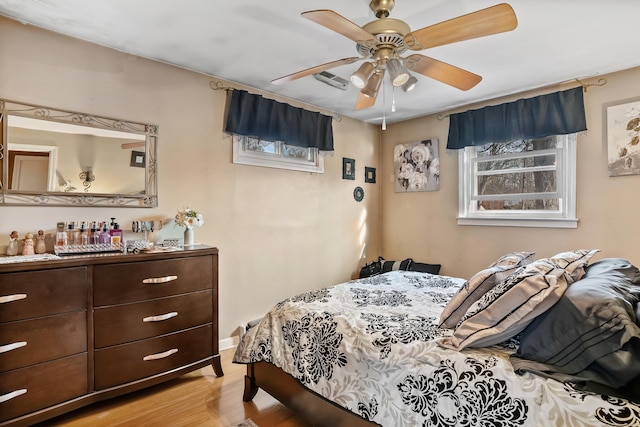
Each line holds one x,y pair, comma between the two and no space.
369,346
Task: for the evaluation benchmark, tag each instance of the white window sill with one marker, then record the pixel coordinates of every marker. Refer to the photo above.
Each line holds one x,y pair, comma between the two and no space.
521,222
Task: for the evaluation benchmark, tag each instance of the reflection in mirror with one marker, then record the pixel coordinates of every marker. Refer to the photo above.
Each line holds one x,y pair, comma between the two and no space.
56,157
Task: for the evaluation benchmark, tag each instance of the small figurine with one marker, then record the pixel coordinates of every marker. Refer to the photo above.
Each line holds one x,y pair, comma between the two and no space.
12,249
40,243
27,249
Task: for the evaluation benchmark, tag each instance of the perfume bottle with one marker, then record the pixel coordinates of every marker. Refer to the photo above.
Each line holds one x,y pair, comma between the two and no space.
117,235
61,235
83,236
94,236
96,232
71,234
105,236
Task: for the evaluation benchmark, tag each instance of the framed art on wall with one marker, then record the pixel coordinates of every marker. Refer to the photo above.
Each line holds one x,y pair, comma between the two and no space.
622,124
417,166
370,175
348,168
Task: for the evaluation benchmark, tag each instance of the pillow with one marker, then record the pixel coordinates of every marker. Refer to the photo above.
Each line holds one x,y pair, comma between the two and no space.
593,323
507,308
394,265
574,262
514,258
472,291
425,268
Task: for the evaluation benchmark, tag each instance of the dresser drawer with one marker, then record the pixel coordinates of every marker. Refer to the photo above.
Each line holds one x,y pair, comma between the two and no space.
27,342
119,324
125,363
40,293
138,281
39,386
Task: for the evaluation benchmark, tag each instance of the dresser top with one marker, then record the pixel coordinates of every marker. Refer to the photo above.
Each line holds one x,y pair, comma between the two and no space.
19,263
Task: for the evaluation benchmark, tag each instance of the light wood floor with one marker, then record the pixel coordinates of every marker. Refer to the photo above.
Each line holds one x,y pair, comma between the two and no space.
196,399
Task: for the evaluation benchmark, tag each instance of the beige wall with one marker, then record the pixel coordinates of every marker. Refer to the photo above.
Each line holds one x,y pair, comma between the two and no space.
279,232
423,225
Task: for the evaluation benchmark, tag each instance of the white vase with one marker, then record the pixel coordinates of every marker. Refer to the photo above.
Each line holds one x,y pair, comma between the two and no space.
188,237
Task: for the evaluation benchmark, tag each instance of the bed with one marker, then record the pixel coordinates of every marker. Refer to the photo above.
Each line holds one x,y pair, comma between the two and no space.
377,351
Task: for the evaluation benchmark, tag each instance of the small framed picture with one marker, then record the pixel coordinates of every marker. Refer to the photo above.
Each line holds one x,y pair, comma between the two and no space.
137,159
348,168
370,175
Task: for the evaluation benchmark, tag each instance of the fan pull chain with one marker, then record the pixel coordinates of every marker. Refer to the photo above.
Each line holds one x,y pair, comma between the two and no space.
384,104
393,99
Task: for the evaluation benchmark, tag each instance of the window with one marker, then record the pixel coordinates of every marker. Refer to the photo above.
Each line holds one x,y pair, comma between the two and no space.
527,183
256,152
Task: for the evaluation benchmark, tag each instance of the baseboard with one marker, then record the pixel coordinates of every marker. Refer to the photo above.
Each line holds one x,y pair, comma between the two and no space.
227,343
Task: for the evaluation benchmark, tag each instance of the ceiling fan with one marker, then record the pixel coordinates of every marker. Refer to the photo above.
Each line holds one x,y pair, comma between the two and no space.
382,42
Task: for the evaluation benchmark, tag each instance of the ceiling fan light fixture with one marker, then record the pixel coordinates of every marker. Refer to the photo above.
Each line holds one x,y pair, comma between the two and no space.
397,73
409,84
361,76
373,85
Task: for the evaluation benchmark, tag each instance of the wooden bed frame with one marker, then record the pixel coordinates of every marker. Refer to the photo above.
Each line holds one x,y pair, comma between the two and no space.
312,407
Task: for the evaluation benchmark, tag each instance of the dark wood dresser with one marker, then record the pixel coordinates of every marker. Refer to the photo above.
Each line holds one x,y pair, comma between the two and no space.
78,330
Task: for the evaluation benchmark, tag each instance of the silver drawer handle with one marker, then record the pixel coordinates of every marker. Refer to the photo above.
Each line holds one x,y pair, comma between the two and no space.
14,297
160,279
160,317
160,355
11,395
12,346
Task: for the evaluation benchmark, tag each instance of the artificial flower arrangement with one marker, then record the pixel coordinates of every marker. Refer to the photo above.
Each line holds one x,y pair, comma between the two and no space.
189,218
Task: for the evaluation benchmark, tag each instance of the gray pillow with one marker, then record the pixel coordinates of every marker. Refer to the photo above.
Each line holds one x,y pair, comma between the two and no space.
595,321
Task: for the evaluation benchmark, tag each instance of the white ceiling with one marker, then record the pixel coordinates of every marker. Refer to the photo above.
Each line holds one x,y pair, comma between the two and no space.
252,42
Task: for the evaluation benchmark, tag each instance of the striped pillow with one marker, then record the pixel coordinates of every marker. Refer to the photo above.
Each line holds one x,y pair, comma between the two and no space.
574,262
394,265
473,289
514,258
510,306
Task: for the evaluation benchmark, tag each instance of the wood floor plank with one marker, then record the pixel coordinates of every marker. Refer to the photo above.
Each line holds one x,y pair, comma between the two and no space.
196,399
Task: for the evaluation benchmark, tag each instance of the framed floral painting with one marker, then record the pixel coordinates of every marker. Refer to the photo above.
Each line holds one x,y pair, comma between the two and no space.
623,137
417,166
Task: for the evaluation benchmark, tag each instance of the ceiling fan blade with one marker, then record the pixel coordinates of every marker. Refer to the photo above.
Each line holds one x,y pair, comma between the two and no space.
441,71
338,23
492,20
314,70
364,101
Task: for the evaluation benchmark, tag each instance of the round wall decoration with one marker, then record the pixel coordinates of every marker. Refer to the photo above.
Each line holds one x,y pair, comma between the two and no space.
358,194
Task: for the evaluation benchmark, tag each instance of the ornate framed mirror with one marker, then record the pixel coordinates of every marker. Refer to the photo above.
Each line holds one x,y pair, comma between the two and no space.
53,157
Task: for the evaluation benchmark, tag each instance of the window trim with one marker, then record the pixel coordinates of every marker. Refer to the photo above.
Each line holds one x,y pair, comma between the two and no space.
269,160
566,185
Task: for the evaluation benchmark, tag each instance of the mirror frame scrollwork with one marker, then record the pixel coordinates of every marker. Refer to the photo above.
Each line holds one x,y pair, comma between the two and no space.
52,198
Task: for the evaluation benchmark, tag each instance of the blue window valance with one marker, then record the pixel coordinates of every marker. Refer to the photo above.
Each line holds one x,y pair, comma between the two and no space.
558,113
266,119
